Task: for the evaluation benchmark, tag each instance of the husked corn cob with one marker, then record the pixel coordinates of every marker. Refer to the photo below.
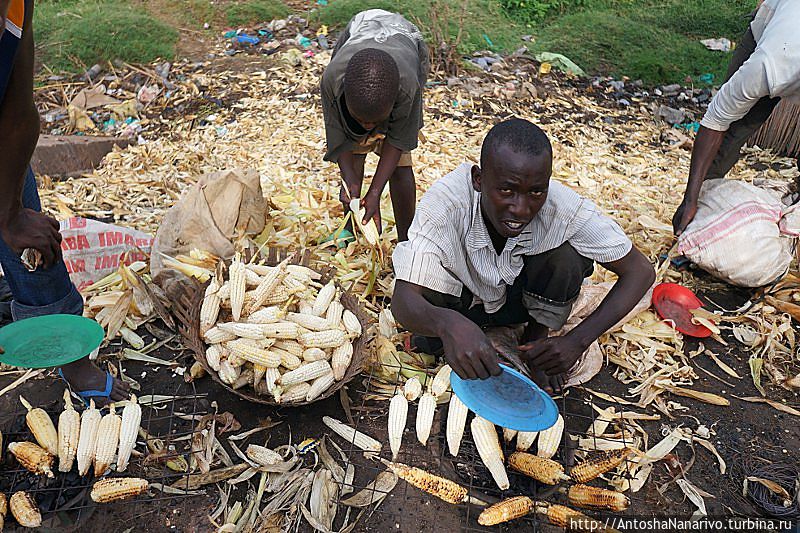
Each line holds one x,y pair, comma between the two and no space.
25,510
278,296
360,440
369,230
107,441
252,279
69,428
42,427
128,431
425,411
33,457
305,372
550,439
351,323
213,356
291,346
217,336
544,470
288,360
209,309
387,326
295,393
225,293
562,516
484,435
506,510
312,322
315,354
266,315
238,284
3,510
244,330
441,381
456,420
334,314
269,285
228,373
258,374
442,488
599,464
398,412
324,298
303,273
597,498
234,360
281,330
320,385
261,270
525,440
271,376
412,388
341,357
262,456
509,434
330,338
294,286
87,441
245,378
117,488
253,353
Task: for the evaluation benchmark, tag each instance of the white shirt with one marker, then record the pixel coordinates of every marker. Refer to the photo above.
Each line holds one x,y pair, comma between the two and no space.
773,69
449,247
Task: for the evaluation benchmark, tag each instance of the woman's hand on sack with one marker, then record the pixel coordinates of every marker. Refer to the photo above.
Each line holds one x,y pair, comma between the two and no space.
554,355
32,229
468,351
684,215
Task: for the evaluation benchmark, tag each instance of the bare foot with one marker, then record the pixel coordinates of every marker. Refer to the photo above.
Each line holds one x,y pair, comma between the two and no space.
550,384
83,375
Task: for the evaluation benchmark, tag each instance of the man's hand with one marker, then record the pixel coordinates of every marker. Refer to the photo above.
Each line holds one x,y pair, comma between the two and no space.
372,207
684,215
554,355
469,352
31,229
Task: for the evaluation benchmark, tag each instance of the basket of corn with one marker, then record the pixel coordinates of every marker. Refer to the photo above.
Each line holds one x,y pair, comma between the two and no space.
275,330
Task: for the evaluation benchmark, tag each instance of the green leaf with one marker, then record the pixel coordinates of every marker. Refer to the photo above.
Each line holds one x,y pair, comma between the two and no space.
756,364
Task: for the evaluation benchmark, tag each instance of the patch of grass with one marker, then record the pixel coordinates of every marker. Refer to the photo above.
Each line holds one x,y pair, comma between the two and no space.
73,35
255,11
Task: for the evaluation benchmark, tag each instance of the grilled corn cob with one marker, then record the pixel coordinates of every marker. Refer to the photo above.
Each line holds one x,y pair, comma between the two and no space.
314,354
341,357
69,428
425,412
209,309
319,386
324,298
456,419
330,338
107,441
129,429
217,336
506,510
238,285
599,464
509,434
3,510
305,372
360,440
117,488
573,520
597,498
442,488
484,435
294,393
369,230
269,286
213,356
525,440
33,457
42,427
252,352
441,381
351,323
266,315
412,388
398,412
87,441
550,439
334,314
25,510
541,469
262,456
244,330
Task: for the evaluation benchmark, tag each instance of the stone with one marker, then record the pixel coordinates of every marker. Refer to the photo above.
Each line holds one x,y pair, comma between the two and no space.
71,155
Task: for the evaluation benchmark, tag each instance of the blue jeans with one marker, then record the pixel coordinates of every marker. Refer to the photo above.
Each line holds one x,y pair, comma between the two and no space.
44,291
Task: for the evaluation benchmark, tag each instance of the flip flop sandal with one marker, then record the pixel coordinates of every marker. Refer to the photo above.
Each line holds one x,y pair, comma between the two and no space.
88,394
343,238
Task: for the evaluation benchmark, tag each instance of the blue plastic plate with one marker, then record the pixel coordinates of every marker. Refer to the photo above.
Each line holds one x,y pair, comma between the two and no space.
509,400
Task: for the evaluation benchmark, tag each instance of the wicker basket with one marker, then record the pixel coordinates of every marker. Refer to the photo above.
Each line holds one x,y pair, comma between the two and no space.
187,308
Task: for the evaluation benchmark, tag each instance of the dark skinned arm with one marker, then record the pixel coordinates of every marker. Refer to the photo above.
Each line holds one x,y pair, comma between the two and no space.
706,146
22,228
467,349
557,355
349,176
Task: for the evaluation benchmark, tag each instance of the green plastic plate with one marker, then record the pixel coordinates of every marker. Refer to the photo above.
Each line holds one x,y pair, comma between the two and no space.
49,341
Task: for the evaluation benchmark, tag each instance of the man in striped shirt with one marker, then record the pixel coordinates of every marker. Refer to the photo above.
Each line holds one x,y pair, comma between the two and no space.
501,244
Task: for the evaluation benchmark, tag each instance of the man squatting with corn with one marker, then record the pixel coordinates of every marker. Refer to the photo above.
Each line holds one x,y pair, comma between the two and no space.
48,289
372,102
500,244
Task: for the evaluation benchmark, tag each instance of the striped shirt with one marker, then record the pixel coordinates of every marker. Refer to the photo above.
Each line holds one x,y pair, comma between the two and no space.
449,246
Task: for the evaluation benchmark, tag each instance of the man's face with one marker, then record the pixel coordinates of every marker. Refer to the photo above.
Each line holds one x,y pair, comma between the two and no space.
370,122
513,188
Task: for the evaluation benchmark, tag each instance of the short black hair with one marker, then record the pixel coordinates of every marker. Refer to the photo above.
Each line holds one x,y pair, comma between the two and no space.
371,84
520,135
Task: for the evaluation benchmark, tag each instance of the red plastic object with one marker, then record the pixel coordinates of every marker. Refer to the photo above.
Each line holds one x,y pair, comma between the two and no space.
674,303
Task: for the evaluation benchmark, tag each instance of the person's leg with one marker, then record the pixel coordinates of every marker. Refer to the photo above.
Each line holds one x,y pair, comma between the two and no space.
403,191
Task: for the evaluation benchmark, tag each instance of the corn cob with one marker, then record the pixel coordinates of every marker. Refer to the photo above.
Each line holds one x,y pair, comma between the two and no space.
213,356
425,412
253,353
271,376
506,510
263,456
509,434
288,360
295,393
456,419
319,386
245,378
117,488
442,488
228,373
269,285
209,309
369,230
25,510
398,412
266,315
278,296
351,323
33,457
129,429
550,439
291,346
360,440
334,314
305,372
258,374
303,273
234,360
277,390
387,326
244,330
412,388
238,284
107,441
42,427
225,294
69,428
324,298
330,338
87,442
217,336
599,464
573,520
3,510
484,435
544,470
311,322
441,381
281,330
525,440
261,270
597,498
315,354
252,279
340,359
